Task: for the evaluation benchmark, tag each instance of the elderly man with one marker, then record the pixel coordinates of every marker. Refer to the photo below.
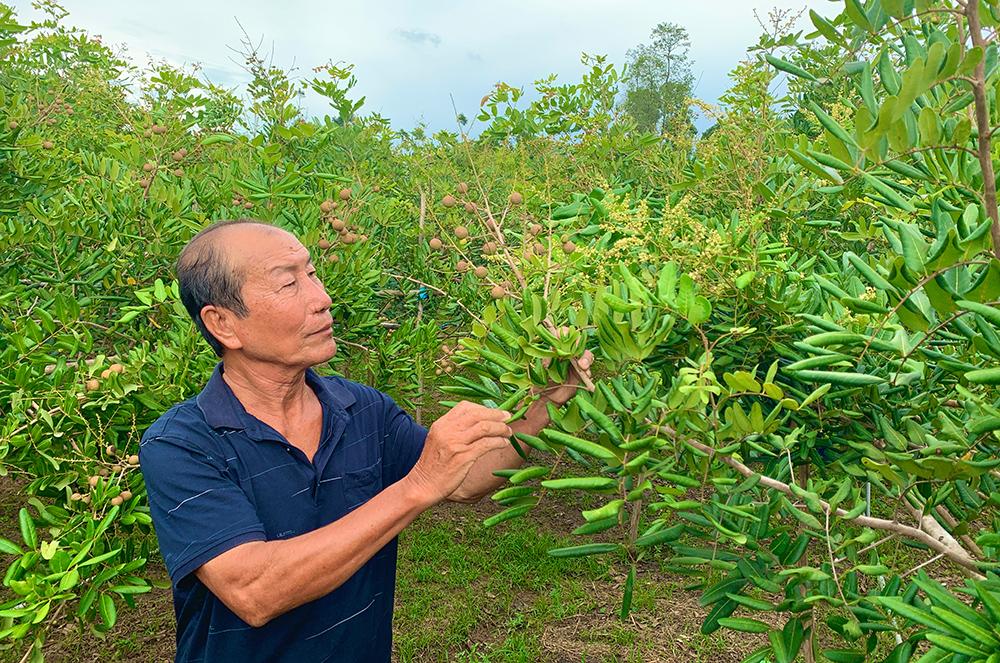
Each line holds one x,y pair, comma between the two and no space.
277,495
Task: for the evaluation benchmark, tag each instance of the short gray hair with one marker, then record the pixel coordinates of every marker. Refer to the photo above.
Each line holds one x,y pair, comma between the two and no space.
206,276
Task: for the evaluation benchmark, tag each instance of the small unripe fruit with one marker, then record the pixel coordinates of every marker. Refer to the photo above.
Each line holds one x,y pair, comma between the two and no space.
104,472
326,206
248,205
461,232
92,384
489,248
50,121
69,110
435,244
12,124
345,194
183,152
338,224
116,468
497,291
145,182
93,480
470,207
324,244
116,501
448,201
133,460
535,228
481,272
126,494
463,187
516,198
110,450
76,497
178,172
159,129
569,247
333,257
148,167
462,266
343,231
48,144
177,156
349,238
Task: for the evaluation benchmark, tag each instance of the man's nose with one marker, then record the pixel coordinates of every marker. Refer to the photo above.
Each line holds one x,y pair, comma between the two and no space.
321,299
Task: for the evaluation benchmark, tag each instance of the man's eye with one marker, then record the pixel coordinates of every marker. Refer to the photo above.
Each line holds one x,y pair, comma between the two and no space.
288,284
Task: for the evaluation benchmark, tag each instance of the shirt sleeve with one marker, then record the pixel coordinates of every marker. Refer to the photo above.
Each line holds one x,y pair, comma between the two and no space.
198,511
404,442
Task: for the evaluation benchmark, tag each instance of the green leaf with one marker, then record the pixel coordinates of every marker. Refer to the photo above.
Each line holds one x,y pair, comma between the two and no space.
28,532
788,67
744,625
106,606
585,549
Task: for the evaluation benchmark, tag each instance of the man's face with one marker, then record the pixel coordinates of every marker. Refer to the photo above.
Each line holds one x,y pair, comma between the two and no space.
289,320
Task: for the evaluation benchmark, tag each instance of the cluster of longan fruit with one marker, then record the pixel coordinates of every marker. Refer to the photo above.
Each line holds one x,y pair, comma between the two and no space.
345,231
446,364
123,465
150,168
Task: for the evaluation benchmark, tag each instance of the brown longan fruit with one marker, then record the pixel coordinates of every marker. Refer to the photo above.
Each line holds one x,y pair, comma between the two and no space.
133,460
92,384
177,156
516,198
104,472
326,206
116,500
324,244
461,232
85,499
462,266
145,182
93,480
333,257
248,205
126,494
538,248
116,368
470,207
148,167
497,291
106,373
12,124
48,144
183,152
349,238
345,194
463,187
159,129
448,200
147,133
481,272
535,228
435,244
338,224
568,247
178,172
489,248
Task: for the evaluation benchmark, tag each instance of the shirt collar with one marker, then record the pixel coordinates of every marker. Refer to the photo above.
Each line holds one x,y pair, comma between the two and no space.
222,409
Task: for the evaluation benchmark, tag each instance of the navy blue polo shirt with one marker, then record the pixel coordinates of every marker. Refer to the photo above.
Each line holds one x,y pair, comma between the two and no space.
218,477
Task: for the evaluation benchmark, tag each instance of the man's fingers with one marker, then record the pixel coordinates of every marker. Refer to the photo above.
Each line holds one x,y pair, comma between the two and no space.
486,428
587,360
472,412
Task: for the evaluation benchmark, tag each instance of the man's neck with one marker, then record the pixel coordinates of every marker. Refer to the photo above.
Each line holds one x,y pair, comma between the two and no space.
267,392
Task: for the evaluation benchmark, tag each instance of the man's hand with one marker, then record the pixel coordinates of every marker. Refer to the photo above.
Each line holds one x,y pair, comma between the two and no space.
454,442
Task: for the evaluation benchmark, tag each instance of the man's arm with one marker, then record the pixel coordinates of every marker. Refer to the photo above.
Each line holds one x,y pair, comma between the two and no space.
260,580
263,579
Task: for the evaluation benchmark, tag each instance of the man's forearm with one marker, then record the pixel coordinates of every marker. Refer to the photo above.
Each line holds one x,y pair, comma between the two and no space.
481,481
291,572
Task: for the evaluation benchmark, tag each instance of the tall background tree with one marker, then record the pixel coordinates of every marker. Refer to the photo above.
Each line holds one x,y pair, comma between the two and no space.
659,81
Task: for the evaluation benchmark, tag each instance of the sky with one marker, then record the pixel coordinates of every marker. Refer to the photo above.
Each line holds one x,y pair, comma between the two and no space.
412,58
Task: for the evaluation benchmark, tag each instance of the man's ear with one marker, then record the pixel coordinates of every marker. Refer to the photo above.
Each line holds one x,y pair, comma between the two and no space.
221,322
